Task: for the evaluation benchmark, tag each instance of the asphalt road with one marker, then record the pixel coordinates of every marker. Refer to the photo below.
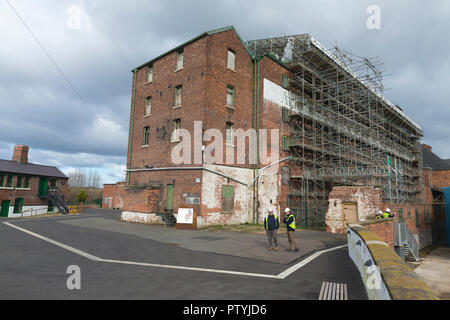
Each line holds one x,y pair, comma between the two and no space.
31,268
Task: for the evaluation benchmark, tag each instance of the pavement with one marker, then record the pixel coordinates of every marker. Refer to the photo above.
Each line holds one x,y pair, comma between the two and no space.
120,260
434,270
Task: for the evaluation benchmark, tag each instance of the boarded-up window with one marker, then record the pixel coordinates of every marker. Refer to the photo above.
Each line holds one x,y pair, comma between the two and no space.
416,211
231,59
227,199
285,175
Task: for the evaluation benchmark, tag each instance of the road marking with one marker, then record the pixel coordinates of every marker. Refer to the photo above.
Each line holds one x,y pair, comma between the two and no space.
56,243
281,275
333,291
304,262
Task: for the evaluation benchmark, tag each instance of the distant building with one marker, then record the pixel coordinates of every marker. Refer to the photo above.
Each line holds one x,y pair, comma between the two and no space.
30,189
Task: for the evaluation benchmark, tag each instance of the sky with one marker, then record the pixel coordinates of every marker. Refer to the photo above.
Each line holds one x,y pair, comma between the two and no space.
65,77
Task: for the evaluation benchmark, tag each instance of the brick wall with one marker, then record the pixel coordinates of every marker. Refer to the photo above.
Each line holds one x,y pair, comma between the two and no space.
440,178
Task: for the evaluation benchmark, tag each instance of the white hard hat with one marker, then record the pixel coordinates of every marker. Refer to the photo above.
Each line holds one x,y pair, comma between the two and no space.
287,210
380,212
388,210
270,209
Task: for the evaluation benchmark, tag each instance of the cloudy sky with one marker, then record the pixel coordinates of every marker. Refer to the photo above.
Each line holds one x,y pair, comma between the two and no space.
80,120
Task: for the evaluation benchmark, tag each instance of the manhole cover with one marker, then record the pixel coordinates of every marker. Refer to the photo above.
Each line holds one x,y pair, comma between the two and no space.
209,238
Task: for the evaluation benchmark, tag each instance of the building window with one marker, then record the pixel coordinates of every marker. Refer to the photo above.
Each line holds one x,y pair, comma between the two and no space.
146,134
285,114
229,134
9,181
227,199
416,212
285,143
27,182
149,74
178,94
180,56
231,59
20,181
2,180
176,130
18,204
285,81
230,96
148,106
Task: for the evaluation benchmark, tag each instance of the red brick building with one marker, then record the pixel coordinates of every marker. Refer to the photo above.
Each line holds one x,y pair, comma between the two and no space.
30,189
281,87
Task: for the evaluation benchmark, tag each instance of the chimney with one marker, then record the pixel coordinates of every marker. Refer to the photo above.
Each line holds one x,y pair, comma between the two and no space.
20,153
427,147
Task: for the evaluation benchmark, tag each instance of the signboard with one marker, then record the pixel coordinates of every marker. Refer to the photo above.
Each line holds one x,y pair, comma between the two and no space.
72,209
185,215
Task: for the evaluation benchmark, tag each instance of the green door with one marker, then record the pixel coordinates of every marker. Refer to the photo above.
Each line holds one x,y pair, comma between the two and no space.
169,196
43,185
5,208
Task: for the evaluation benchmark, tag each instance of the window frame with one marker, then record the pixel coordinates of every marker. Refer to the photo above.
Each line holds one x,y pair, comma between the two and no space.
176,125
2,180
149,73
20,204
180,53
9,181
233,94
145,138
285,81
148,107
285,143
178,93
284,114
233,55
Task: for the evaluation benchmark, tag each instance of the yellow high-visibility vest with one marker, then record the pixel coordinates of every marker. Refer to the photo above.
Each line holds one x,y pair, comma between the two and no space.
267,219
292,224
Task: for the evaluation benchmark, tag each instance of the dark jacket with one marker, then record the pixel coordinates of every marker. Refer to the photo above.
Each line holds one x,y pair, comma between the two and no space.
271,223
288,221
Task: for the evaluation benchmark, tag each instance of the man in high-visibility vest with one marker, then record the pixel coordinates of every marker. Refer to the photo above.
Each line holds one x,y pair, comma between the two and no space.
289,219
386,213
271,224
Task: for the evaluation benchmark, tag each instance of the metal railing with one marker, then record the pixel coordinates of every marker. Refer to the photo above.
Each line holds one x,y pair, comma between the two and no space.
404,237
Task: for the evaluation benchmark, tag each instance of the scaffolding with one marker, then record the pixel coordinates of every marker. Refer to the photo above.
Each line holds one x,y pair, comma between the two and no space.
343,131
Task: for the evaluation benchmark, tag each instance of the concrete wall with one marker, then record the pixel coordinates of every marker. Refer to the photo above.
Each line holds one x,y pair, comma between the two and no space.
383,273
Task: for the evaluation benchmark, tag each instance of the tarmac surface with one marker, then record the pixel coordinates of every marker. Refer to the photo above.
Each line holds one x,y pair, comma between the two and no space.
120,260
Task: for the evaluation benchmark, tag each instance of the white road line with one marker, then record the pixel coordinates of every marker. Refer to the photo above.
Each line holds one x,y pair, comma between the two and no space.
56,243
282,275
302,263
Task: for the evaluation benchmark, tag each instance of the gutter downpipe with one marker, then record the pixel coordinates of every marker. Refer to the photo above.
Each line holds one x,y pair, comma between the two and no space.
130,147
255,209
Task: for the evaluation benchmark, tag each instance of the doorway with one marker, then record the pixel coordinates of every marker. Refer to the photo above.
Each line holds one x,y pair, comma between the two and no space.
349,214
43,185
169,197
5,208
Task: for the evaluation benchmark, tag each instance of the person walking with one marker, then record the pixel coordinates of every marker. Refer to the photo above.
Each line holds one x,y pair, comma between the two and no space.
271,224
289,220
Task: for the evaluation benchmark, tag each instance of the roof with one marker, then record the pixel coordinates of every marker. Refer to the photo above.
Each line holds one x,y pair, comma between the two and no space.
11,166
204,34
430,160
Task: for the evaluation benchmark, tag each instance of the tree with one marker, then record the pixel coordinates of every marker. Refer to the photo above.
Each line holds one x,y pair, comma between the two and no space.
82,196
